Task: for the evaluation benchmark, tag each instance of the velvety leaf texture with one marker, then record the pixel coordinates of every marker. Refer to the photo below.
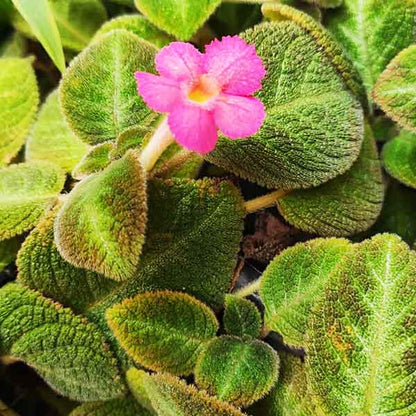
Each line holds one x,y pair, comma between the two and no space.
241,317
237,371
171,396
395,89
98,91
181,18
27,192
163,331
126,406
292,283
18,104
42,268
313,129
66,350
101,225
344,206
8,251
51,139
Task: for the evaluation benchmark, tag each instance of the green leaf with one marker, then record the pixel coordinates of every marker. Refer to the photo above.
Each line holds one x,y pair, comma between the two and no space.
101,225
327,4
150,330
138,25
181,18
76,20
294,280
313,129
65,349
394,90
42,268
13,47
241,317
373,32
98,91
18,104
126,406
237,371
344,206
399,158
40,18
51,140
171,396
8,251
27,192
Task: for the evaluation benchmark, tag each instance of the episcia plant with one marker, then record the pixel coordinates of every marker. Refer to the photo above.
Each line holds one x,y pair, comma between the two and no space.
186,144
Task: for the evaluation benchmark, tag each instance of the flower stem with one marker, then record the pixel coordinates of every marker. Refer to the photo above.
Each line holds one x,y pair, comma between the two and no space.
265,201
157,144
248,289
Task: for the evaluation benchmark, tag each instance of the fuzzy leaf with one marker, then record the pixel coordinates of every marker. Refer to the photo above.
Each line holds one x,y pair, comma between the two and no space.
66,350
98,91
241,317
313,130
51,139
344,206
27,192
76,20
373,32
395,89
18,104
163,331
294,280
126,406
237,371
101,225
8,251
42,268
138,25
171,396
181,18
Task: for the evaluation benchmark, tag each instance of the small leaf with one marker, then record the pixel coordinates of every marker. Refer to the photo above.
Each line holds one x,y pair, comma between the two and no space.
314,128
171,396
237,371
347,205
138,25
8,251
126,406
40,18
292,283
101,225
181,18
66,350
163,331
98,91
51,139
241,317
42,268
27,192
18,104
394,90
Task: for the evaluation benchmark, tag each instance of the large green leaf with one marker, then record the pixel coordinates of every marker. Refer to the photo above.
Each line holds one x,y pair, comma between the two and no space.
51,139
373,32
42,268
344,206
314,128
181,18
237,371
126,406
395,89
101,224
65,349
98,91
170,396
18,104
163,331
27,192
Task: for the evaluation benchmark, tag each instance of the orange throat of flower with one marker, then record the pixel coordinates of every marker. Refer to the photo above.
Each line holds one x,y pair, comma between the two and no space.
204,90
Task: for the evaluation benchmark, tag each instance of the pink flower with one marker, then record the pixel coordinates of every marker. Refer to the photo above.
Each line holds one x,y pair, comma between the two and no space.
203,92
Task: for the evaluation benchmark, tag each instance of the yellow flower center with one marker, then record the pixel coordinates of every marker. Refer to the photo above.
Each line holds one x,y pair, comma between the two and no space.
205,89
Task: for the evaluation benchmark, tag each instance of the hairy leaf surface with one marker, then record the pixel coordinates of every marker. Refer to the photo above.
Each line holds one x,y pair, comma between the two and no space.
126,406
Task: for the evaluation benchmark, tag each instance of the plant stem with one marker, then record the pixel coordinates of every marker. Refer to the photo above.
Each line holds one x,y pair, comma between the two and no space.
248,289
157,144
265,201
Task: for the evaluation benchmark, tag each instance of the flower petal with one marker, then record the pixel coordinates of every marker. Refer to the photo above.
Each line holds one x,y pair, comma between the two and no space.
193,128
239,117
159,93
179,61
235,65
